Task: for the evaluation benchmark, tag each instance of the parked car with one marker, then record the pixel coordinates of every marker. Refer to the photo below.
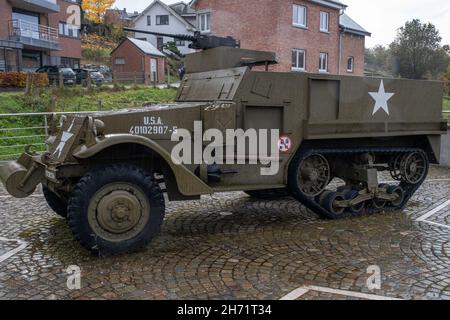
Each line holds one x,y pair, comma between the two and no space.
106,72
82,76
69,76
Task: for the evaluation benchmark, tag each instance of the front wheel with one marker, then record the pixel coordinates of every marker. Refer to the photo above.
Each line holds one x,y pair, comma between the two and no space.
116,209
57,204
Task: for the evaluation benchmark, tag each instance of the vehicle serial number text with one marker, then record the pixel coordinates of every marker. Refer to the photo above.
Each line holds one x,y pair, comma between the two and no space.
152,126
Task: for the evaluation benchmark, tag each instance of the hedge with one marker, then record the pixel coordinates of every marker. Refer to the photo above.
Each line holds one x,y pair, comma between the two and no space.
19,79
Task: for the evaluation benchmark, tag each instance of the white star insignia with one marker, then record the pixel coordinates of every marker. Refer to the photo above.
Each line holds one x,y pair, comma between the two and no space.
66,136
381,99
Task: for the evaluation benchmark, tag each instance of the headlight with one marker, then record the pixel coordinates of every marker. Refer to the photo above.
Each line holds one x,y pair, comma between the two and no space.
99,127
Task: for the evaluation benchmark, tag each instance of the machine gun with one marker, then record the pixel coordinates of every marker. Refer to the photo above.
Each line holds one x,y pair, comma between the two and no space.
198,41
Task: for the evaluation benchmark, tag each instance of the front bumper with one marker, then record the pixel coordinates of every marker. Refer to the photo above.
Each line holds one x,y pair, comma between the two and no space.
22,177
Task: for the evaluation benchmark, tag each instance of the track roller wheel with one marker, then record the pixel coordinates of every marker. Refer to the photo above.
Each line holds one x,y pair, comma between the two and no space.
378,204
357,208
329,203
400,193
323,195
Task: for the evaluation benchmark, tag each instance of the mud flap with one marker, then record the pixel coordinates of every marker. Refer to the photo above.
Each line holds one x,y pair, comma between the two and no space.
21,177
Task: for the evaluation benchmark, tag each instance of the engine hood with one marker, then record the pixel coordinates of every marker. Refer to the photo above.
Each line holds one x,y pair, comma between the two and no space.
157,123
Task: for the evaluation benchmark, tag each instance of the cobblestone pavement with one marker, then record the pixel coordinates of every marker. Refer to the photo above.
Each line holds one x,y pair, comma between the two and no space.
230,246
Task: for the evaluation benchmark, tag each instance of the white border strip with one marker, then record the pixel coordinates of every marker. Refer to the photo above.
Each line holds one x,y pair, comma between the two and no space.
297,293
9,254
426,181
431,213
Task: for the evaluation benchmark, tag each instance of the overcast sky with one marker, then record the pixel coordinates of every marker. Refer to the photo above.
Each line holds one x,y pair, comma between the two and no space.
381,17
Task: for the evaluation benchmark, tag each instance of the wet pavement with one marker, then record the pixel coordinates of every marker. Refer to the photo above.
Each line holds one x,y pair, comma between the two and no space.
230,246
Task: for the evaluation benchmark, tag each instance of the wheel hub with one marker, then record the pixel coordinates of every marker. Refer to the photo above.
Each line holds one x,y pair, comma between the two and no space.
118,212
415,168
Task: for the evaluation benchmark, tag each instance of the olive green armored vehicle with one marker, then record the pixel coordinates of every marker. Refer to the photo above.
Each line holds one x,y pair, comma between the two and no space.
335,136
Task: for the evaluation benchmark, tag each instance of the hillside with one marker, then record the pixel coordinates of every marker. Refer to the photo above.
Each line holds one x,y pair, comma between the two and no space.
96,49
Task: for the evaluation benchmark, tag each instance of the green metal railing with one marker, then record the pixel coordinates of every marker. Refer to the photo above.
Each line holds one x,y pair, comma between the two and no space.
446,115
25,129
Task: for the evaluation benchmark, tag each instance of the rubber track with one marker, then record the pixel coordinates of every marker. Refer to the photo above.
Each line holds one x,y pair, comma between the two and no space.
410,189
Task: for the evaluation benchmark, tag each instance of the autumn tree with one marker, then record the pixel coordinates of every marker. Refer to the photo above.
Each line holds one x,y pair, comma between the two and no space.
378,60
447,80
418,52
94,10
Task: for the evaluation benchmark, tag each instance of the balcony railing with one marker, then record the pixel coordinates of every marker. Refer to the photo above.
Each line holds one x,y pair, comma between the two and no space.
33,34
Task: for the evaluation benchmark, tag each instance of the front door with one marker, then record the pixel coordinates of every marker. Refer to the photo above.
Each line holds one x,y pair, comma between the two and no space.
153,70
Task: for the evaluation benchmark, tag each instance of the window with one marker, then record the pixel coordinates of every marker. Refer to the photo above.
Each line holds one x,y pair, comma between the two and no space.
70,62
299,16
180,43
323,62
204,22
350,64
160,43
298,60
2,59
324,21
162,20
69,30
149,20
119,61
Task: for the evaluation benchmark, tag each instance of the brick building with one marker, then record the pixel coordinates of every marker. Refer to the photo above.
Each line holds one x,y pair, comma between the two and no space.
307,35
139,60
34,33
124,17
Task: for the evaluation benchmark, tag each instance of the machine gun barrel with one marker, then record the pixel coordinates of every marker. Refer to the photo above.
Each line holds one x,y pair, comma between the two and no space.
183,37
199,41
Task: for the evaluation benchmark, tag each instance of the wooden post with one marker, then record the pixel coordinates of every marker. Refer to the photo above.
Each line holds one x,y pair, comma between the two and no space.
61,80
53,104
27,85
89,83
100,104
168,75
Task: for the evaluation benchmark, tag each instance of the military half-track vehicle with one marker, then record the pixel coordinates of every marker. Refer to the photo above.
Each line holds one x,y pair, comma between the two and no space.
102,169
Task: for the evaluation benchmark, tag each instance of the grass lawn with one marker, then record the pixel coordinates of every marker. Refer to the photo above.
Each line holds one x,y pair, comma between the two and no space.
446,104
80,99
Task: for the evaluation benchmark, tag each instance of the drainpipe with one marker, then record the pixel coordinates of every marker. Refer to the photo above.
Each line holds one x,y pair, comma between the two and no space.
340,50
340,44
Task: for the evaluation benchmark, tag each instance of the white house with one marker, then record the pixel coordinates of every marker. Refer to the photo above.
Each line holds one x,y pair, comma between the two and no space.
177,18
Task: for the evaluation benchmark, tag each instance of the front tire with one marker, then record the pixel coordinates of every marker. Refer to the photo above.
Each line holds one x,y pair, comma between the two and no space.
58,205
116,209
